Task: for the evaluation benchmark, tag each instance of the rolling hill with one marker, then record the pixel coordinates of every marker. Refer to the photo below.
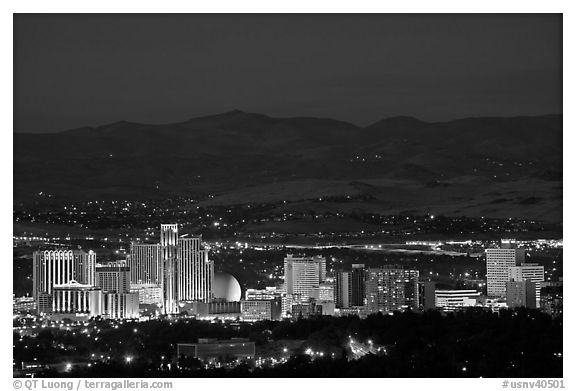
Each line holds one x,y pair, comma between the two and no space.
470,166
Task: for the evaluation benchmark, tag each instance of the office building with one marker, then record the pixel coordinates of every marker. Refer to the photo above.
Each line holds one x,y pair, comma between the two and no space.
256,310
214,351
350,287
531,272
521,294
451,300
268,293
391,288
427,295
498,261
288,300
301,274
324,292
325,307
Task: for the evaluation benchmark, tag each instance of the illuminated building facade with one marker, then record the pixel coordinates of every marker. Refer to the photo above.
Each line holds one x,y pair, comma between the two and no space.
450,300
255,310
531,272
498,261
391,288
175,270
145,264
113,277
116,305
168,249
268,293
195,273
301,274
57,267
75,301
324,292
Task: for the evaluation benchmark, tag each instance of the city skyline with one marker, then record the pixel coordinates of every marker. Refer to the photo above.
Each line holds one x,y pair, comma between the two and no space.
288,196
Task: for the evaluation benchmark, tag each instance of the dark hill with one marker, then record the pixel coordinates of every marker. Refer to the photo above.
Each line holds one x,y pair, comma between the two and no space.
224,152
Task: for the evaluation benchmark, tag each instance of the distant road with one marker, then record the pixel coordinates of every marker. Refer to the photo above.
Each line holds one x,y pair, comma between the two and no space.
383,247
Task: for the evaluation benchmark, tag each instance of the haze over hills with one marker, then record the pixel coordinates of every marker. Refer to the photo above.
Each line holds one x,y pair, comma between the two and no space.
499,167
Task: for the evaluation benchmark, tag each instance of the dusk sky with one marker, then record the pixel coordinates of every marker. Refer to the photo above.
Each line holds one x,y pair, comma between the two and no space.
89,70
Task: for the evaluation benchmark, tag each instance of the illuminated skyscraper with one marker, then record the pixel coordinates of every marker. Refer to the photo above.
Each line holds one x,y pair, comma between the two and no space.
175,270
498,261
145,264
168,248
147,273
301,274
57,267
195,273
391,288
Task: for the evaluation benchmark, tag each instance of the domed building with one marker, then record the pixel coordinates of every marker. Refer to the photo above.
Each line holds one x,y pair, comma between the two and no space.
226,287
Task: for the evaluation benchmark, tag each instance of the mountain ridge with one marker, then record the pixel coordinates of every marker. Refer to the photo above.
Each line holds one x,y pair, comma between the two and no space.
224,154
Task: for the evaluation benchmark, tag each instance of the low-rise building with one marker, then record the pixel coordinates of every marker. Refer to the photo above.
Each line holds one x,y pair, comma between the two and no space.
450,300
212,350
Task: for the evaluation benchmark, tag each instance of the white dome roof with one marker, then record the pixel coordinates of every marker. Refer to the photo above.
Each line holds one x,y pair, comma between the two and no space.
227,287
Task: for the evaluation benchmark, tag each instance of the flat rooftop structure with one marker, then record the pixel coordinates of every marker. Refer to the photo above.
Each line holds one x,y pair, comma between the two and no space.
209,349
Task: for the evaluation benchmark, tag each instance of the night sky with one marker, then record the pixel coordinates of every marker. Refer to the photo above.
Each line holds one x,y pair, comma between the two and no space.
89,70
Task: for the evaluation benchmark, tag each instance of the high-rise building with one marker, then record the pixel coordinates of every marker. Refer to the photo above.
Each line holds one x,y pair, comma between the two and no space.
168,248
174,271
498,261
391,288
521,294
145,264
57,267
146,273
118,302
195,273
113,277
531,272
427,294
350,287
301,274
